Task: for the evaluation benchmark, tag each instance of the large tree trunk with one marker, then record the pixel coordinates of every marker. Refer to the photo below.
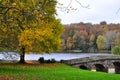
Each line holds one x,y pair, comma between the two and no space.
22,56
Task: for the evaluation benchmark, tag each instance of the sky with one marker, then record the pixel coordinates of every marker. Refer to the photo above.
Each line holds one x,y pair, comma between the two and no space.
99,10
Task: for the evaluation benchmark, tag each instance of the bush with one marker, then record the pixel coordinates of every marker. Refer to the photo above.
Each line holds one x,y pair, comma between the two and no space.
53,60
116,50
61,61
47,61
41,60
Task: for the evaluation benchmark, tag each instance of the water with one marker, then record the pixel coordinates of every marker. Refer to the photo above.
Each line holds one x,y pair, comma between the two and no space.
60,56
56,56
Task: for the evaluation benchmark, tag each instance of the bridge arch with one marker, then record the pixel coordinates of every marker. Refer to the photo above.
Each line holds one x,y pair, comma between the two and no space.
101,68
109,64
117,67
83,67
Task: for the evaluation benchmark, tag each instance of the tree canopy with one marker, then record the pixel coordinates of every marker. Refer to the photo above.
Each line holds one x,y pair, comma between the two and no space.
100,41
91,37
29,26
116,50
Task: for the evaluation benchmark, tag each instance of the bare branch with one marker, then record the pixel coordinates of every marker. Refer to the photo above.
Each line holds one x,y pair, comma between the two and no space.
118,11
82,5
69,8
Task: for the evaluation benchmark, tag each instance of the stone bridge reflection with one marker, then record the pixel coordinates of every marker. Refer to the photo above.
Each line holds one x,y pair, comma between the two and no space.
96,63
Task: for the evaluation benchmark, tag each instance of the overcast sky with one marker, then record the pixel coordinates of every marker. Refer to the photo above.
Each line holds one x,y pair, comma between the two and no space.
100,10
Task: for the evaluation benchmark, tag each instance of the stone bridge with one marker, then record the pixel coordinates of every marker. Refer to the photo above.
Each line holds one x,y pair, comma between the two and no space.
97,63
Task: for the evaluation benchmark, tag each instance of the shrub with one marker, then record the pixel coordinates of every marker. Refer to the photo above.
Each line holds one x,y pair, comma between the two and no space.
50,60
47,61
53,60
61,61
41,60
116,50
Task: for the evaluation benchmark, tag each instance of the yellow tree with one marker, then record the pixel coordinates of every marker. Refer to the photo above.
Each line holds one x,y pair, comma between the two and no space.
29,26
91,37
100,41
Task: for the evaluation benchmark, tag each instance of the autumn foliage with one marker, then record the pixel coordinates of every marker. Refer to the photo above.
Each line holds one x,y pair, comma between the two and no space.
91,37
29,26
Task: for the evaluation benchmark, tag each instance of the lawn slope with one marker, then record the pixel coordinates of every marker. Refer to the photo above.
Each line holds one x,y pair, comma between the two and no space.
50,72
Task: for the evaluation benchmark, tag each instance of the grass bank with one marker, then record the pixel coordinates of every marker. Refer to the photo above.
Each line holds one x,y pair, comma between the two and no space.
50,72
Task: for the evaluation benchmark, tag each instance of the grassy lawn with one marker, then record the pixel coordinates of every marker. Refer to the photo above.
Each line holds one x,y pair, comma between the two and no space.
50,72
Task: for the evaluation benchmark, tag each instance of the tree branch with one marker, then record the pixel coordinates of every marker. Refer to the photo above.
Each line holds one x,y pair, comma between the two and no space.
69,8
82,5
5,7
118,11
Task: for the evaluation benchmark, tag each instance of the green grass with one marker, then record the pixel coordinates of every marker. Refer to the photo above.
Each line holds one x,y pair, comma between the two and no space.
50,72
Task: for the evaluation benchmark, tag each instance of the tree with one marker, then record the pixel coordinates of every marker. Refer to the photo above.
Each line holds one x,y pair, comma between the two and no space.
92,36
103,23
70,43
116,50
100,41
110,37
69,7
79,40
117,40
29,26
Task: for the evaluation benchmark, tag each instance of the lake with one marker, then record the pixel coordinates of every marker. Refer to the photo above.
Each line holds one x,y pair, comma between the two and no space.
56,56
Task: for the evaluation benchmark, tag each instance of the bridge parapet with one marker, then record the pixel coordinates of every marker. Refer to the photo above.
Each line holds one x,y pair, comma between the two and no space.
100,63
90,59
